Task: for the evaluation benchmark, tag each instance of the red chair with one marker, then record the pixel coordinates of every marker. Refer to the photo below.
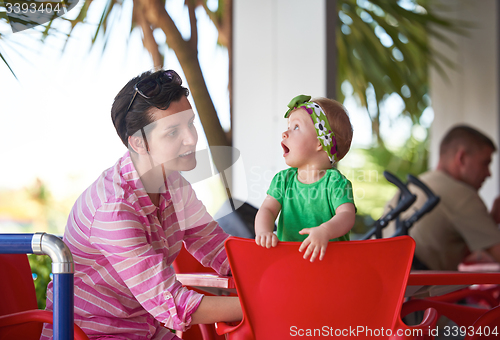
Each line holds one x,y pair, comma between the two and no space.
20,317
356,291
487,326
473,321
186,263
460,314
483,295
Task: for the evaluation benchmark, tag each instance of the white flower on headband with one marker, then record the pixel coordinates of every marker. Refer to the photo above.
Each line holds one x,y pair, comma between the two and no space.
320,126
327,138
316,108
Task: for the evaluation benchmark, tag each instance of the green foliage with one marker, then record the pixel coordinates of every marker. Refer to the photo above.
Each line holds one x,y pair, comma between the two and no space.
413,158
383,48
370,188
41,267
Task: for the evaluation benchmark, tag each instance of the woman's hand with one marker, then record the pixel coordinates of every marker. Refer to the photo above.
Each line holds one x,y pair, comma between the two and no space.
266,239
316,243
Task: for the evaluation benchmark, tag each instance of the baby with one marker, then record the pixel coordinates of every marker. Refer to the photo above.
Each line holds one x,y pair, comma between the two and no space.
314,198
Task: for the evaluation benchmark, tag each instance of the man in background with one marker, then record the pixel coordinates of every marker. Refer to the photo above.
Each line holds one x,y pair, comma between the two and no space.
460,224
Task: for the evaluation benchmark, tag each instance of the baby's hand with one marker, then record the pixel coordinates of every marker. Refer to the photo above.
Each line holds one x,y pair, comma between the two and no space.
316,243
266,239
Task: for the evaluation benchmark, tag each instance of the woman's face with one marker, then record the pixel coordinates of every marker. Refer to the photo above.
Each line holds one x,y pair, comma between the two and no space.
172,140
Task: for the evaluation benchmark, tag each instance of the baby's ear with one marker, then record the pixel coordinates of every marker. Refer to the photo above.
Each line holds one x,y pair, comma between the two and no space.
319,147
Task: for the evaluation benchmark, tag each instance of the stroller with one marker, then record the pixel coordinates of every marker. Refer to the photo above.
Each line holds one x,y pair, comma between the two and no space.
406,199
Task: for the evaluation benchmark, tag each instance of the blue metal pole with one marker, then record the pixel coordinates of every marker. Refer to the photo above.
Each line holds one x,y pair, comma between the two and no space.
62,270
63,306
16,243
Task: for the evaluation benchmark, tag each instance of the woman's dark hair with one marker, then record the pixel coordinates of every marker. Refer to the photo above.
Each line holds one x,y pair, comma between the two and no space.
139,114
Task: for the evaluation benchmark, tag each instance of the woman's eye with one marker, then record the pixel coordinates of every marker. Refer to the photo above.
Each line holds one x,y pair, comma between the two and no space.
172,133
296,127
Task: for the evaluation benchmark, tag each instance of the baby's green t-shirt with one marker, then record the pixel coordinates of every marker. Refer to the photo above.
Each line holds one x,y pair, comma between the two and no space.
308,205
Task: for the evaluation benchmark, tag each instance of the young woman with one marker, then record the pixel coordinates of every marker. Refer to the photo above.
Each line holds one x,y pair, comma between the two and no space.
127,228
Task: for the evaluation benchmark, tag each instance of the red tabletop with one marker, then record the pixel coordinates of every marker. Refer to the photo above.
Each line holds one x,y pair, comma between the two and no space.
435,277
425,283
209,283
206,280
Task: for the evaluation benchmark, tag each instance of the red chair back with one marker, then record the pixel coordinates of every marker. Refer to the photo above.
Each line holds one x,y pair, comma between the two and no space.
18,294
186,263
358,287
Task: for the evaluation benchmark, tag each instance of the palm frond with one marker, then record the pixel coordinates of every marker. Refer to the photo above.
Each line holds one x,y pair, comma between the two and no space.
385,47
7,64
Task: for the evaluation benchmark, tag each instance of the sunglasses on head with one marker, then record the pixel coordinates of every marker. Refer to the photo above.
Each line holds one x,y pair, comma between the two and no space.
150,87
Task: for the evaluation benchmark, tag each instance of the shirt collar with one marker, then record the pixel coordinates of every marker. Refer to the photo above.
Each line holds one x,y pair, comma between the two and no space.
131,176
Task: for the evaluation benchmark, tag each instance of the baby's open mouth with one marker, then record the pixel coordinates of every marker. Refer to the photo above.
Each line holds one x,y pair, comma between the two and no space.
285,149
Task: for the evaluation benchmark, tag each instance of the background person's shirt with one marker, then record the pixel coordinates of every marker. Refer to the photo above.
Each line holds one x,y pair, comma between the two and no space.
458,225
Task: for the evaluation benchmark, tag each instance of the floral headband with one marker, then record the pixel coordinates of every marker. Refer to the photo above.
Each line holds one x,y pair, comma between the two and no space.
323,129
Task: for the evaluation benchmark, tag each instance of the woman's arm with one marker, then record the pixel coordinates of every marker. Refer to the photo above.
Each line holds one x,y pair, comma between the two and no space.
217,309
264,222
317,241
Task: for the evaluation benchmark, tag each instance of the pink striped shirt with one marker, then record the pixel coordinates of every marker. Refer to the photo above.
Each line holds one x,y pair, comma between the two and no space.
124,283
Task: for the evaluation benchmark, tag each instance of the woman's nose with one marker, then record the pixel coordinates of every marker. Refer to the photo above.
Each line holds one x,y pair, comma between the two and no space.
190,137
284,134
